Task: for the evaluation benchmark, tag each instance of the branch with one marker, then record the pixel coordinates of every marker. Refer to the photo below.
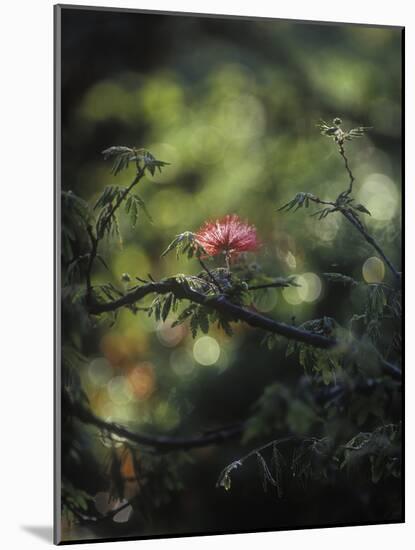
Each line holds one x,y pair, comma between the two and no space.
224,479
92,256
349,216
359,226
346,165
121,198
277,284
224,306
210,274
341,204
159,442
95,240
218,303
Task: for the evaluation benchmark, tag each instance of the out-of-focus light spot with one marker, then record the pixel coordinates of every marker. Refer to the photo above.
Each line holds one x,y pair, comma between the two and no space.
266,299
386,116
141,380
341,78
119,390
100,403
114,347
104,504
166,415
132,259
206,350
162,100
181,362
290,260
310,288
123,515
127,466
243,117
167,216
291,295
373,270
207,145
99,371
241,173
108,100
325,229
380,196
170,336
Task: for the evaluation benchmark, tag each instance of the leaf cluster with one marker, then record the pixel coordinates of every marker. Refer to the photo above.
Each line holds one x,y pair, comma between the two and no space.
380,450
336,132
122,156
185,244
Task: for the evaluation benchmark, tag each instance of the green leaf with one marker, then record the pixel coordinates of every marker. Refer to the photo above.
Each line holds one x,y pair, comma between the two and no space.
227,482
122,156
327,374
340,278
300,200
166,306
185,314
182,243
203,320
194,324
361,208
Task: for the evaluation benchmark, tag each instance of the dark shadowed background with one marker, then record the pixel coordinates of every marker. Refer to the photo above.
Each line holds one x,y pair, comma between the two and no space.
233,106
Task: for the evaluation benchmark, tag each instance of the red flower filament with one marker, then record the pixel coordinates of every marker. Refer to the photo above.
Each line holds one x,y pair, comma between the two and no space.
229,236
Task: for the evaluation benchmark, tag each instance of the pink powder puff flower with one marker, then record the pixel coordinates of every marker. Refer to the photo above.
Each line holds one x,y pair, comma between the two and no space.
228,235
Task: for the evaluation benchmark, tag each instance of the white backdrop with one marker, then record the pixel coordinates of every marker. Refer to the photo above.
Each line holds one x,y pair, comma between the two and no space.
26,229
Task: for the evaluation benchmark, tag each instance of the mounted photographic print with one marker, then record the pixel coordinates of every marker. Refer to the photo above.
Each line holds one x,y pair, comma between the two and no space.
228,274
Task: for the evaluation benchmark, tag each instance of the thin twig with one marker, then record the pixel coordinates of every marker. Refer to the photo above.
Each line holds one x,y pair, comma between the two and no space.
139,175
92,256
210,274
95,239
371,241
346,165
359,226
268,285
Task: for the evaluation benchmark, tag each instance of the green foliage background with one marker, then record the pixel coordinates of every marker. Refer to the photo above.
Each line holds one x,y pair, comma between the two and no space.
232,105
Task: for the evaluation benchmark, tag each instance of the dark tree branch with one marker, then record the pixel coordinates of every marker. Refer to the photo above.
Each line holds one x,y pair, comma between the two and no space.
342,205
224,306
269,285
92,255
220,304
349,216
159,442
